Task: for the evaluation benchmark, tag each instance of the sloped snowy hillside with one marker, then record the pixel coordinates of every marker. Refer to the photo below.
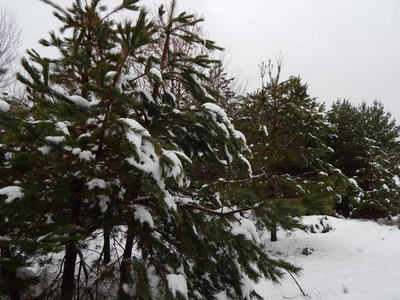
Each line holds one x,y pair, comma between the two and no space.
356,260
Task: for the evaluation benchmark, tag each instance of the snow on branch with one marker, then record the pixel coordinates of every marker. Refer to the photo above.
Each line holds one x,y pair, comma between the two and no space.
220,212
4,106
82,102
177,283
12,193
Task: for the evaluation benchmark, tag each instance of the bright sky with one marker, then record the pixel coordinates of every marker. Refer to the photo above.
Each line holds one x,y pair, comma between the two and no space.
341,48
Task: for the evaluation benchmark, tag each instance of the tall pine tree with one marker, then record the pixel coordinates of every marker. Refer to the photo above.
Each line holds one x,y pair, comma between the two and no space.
366,147
102,190
285,128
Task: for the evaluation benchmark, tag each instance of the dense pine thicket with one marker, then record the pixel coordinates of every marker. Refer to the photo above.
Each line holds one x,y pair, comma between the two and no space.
122,176
117,182
285,129
365,140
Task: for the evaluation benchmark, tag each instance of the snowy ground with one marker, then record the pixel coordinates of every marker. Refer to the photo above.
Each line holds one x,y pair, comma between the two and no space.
358,260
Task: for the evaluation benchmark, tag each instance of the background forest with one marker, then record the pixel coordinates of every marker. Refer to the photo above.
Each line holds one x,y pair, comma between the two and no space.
133,166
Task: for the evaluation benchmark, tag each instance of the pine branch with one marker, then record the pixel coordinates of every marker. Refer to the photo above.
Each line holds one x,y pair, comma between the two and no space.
127,4
217,213
54,5
290,273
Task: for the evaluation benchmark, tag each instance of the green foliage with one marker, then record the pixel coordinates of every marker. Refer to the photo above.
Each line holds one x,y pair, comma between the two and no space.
366,147
118,127
285,129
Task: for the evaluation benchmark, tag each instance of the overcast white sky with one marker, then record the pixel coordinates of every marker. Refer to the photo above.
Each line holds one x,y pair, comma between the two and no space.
341,48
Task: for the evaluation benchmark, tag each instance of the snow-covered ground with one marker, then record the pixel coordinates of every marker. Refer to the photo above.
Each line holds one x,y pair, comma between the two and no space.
357,260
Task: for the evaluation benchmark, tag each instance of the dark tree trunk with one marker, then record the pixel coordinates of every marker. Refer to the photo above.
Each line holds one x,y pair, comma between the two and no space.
126,264
106,247
274,238
14,290
71,251
9,280
68,280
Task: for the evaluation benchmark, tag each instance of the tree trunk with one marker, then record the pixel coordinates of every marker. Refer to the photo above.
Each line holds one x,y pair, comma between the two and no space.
10,280
68,280
274,238
71,251
126,264
13,291
106,247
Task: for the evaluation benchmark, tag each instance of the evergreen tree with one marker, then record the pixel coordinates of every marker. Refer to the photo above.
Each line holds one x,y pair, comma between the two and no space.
365,143
13,258
285,128
100,158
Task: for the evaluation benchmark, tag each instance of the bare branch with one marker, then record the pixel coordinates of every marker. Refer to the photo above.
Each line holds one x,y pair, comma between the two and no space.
10,40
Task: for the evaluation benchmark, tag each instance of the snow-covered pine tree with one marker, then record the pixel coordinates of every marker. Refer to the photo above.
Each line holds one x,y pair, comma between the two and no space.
13,258
285,129
366,147
98,195
379,179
